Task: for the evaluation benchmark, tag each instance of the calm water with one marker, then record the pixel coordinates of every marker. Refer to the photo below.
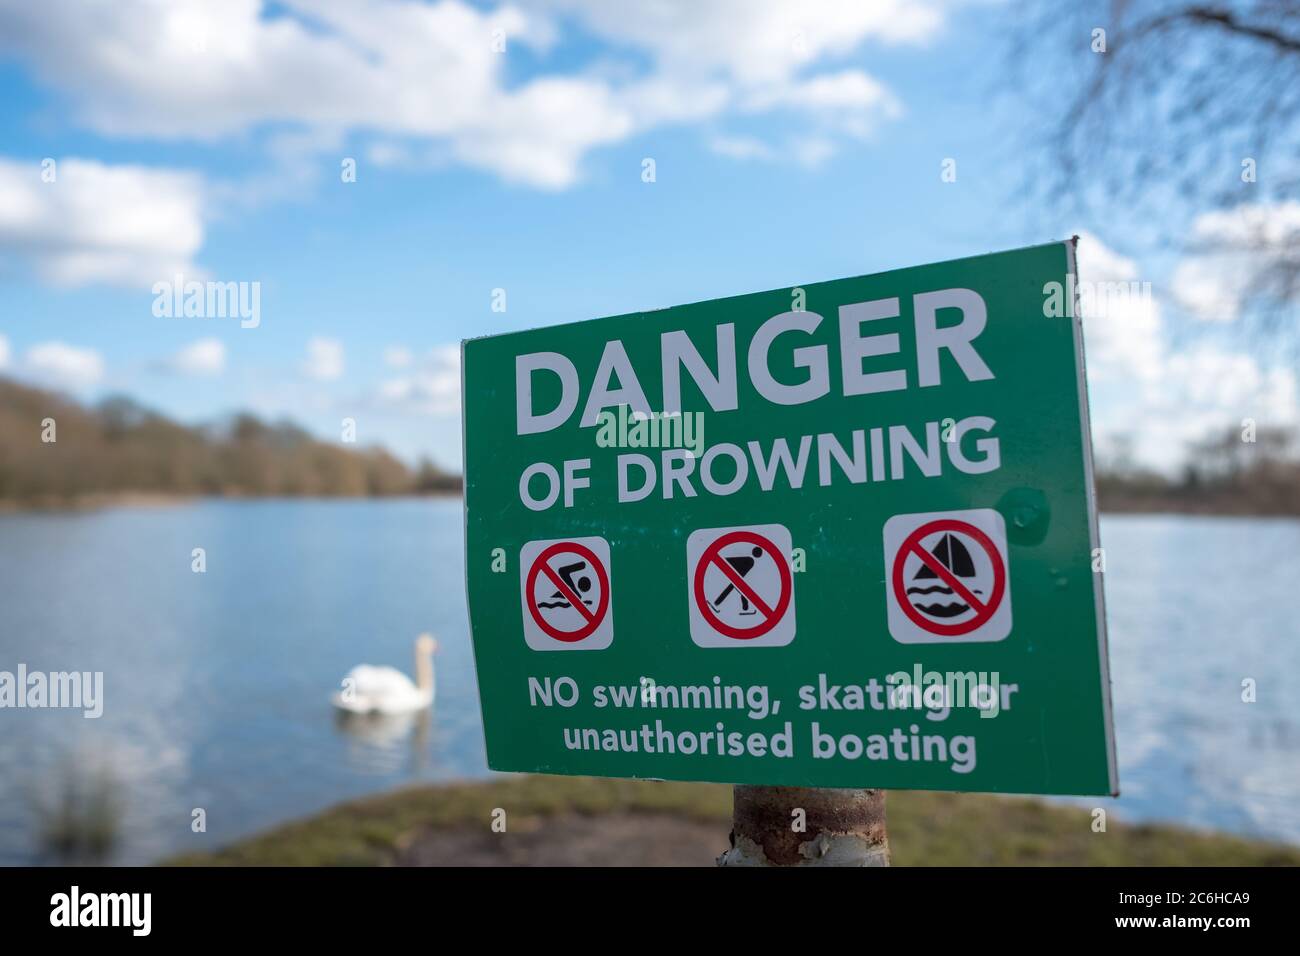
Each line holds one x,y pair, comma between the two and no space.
217,684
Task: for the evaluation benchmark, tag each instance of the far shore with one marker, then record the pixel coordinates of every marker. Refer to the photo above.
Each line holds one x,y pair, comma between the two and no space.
1116,505
131,499
1198,507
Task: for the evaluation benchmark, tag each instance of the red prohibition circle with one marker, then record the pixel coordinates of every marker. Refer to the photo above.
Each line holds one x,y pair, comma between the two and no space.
713,554
981,617
566,547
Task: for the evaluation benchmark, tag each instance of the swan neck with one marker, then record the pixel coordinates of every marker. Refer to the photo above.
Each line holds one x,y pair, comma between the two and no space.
424,670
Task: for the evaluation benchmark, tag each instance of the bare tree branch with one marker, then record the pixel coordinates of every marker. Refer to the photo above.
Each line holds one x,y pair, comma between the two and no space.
1181,119
1226,20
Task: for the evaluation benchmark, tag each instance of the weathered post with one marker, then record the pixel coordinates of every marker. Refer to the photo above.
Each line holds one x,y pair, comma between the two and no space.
807,826
769,618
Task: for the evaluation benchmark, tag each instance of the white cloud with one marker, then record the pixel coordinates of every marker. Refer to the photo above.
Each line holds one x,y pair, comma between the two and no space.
1202,391
1208,290
203,357
848,94
4,351
129,225
63,365
753,42
431,388
741,147
1161,396
1250,223
1240,246
1124,337
808,151
324,359
427,72
813,151
398,356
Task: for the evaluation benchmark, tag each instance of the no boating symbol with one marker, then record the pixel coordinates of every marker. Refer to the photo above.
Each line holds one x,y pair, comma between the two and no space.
947,577
565,587
739,586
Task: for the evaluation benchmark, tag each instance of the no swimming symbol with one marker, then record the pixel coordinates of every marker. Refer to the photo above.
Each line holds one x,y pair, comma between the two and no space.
566,594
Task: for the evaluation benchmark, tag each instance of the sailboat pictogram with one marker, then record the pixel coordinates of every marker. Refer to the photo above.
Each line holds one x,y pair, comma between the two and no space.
956,557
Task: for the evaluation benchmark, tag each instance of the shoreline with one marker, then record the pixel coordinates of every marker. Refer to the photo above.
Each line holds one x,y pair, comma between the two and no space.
109,501
587,821
105,502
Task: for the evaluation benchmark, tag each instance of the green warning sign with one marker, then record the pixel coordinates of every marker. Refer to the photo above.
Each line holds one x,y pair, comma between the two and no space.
837,535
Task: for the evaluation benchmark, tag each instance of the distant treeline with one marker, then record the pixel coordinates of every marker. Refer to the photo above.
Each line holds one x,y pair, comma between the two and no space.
1225,474
119,448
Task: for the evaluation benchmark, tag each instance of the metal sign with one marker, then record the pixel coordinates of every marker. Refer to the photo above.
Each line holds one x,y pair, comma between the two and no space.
837,535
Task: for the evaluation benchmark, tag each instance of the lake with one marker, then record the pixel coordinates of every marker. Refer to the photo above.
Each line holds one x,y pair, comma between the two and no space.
217,684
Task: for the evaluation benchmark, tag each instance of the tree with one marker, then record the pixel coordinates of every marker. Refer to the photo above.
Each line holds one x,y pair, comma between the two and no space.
120,446
1169,104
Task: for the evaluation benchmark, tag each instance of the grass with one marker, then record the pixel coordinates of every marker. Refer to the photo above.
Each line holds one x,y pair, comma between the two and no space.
924,828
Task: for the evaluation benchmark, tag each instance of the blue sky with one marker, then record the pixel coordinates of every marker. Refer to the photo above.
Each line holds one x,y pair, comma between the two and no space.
791,143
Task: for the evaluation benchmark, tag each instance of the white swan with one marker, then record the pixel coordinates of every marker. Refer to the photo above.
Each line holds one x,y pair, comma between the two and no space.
386,690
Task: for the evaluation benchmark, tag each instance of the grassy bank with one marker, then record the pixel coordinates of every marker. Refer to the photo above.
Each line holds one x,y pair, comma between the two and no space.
580,820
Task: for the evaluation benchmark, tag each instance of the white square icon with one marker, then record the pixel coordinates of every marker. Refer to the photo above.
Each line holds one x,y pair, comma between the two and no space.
565,591
740,587
947,577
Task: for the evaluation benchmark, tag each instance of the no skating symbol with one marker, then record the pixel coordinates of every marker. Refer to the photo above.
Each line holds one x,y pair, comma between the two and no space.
740,588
